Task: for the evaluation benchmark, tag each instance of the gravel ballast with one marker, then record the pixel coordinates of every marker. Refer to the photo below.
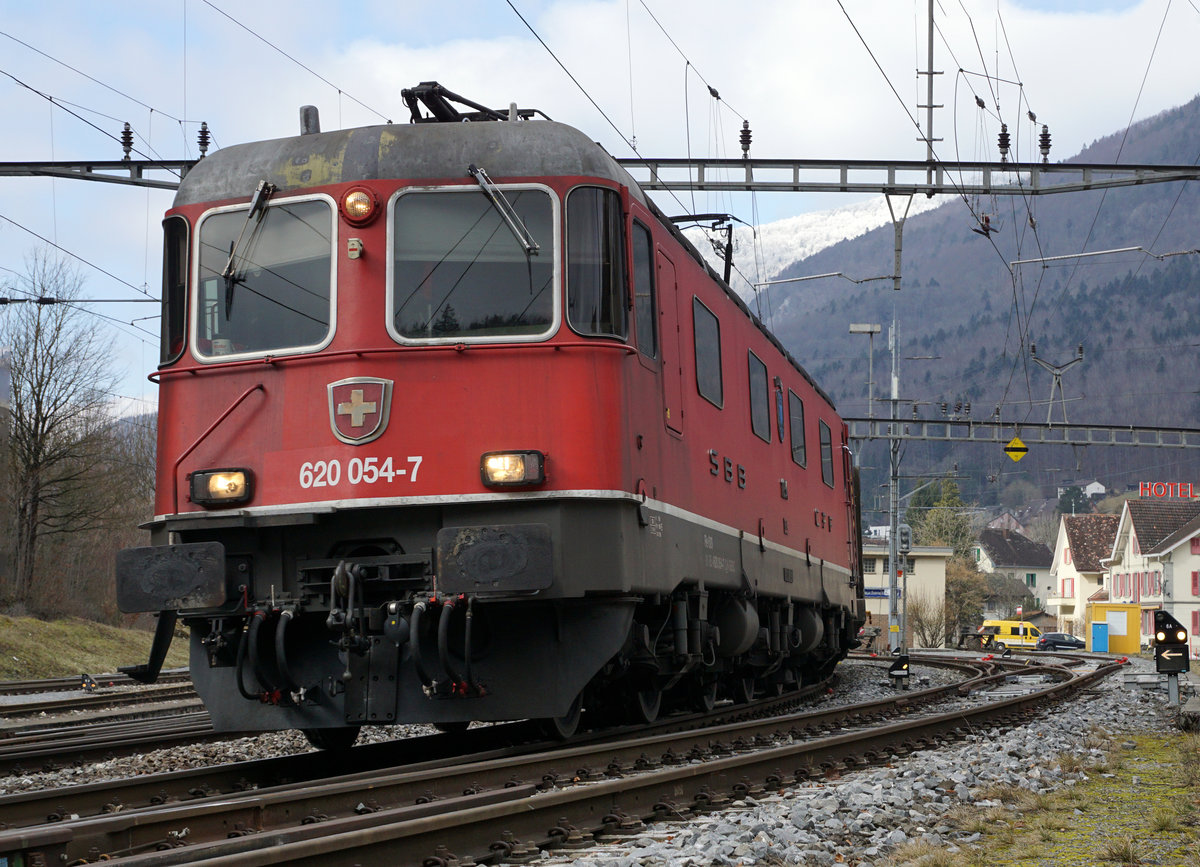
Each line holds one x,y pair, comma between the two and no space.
861,819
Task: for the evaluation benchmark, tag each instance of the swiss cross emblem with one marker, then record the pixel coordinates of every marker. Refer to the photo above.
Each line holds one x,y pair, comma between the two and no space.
358,408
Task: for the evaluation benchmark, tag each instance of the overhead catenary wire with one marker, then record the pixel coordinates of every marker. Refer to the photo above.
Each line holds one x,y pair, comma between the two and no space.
73,255
303,66
1125,134
67,107
43,300
712,90
583,90
1022,310
90,78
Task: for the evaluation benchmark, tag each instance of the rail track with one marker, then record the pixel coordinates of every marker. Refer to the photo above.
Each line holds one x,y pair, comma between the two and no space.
488,795
38,732
66,684
47,747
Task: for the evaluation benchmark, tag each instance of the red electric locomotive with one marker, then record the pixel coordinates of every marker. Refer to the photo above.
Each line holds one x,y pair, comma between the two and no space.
454,425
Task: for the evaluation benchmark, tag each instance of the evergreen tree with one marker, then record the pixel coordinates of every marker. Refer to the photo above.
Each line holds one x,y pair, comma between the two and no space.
946,522
1074,502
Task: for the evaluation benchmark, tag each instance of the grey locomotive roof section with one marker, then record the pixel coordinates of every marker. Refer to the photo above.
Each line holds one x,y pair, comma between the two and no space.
408,151
505,149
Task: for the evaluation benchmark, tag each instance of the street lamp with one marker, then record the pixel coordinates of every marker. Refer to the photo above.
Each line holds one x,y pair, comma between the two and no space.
869,329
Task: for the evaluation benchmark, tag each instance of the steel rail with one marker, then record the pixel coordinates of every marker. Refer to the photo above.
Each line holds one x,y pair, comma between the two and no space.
75,682
52,749
490,833
132,829
97,700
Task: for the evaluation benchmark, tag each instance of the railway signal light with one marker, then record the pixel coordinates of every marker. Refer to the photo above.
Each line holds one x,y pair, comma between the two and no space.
904,538
1170,644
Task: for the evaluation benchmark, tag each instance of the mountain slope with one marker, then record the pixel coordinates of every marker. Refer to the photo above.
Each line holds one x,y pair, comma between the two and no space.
1137,317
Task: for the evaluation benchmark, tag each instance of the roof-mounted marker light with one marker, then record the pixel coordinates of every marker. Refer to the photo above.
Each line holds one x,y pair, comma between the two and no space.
359,206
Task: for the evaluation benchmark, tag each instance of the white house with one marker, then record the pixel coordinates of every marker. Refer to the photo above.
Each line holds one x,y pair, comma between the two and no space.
1092,489
1155,562
924,578
1077,573
1015,555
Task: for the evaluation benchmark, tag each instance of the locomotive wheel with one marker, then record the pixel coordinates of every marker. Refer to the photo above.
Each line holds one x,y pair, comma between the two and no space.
703,696
645,704
334,739
559,728
742,690
452,728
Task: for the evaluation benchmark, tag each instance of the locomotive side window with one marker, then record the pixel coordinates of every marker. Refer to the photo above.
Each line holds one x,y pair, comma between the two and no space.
174,298
826,454
458,271
596,293
796,412
643,288
707,332
278,293
760,408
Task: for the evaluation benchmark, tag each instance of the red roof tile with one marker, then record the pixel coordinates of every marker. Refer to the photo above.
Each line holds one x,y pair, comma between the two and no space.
1090,537
1155,520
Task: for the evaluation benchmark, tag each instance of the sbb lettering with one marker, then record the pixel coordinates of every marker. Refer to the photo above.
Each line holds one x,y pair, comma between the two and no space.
719,466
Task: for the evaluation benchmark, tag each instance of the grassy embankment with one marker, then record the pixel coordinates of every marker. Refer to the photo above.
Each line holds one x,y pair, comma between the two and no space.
32,648
1139,806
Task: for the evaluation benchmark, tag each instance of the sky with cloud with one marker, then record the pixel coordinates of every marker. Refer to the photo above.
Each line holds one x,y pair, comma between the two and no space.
821,80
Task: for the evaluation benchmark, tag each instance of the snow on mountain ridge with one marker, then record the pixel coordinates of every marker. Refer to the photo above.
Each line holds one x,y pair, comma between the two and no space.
787,241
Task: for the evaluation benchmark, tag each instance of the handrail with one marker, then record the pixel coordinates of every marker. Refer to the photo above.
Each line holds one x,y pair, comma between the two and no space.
179,460
624,348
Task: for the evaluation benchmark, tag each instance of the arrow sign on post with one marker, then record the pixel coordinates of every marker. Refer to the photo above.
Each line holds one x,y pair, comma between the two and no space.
1171,659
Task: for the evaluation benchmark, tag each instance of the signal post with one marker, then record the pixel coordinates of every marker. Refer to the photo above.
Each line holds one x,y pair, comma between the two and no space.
1170,652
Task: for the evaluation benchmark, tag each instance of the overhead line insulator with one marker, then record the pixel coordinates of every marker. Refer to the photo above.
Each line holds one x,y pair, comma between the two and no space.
202,138
126,141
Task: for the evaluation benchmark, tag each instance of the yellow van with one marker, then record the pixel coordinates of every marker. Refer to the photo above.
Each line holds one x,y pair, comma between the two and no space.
999,634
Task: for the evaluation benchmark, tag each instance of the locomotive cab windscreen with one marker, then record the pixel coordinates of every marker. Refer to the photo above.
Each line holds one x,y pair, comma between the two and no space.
268,286
458,271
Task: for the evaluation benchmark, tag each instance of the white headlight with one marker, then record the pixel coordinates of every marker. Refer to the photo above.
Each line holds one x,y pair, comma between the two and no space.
499,469
221,487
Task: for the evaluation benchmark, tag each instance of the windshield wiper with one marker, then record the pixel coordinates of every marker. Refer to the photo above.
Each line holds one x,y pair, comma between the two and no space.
505,209
258,207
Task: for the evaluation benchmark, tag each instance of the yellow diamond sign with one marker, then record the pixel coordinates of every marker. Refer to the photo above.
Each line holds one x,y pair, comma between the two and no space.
1016,449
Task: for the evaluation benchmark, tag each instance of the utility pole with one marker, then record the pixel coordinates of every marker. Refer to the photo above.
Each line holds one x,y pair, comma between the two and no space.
929,106
869,329
895,638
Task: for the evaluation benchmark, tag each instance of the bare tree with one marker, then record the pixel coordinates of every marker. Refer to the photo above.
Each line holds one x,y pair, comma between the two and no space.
966,588
927,620
1044,530
1006,594
58,454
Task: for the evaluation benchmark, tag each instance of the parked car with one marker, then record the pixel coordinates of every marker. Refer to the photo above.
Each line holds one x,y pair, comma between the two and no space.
1060,641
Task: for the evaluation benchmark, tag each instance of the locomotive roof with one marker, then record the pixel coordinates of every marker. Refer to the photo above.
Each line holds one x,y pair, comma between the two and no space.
409,151
516,149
